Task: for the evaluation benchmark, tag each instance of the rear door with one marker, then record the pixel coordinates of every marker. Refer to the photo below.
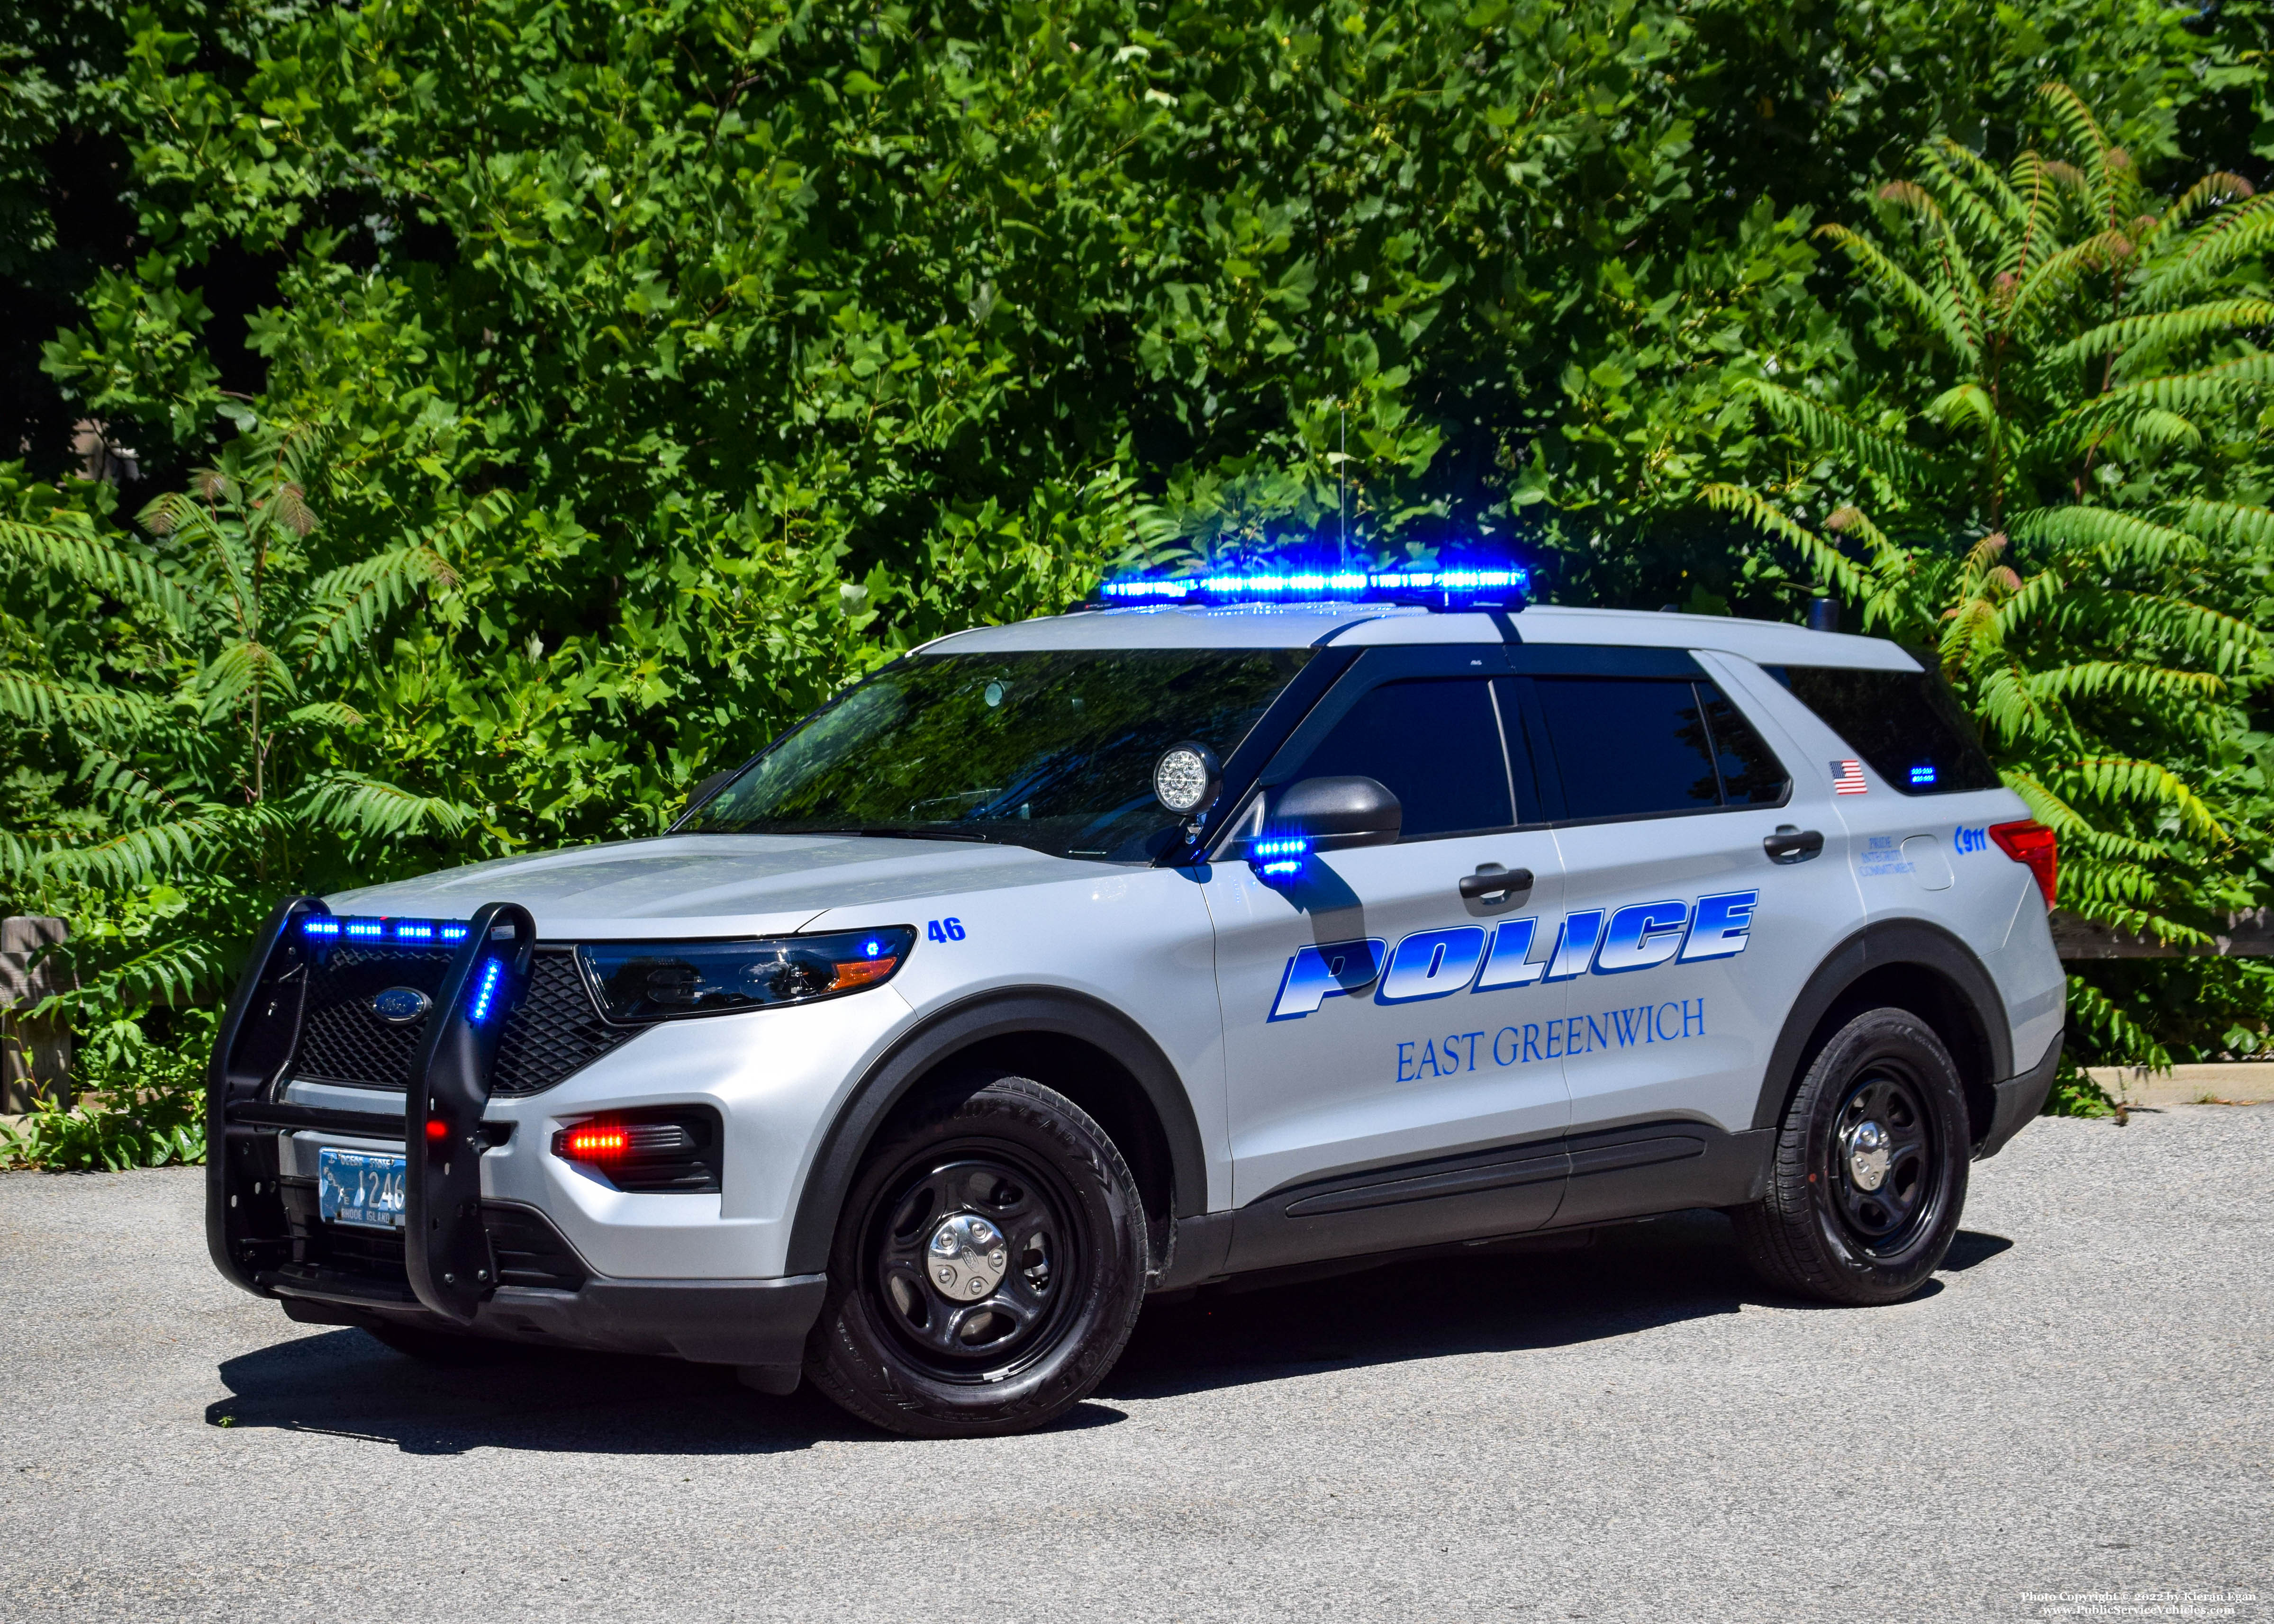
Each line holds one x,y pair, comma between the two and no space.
1375,1019
1686,942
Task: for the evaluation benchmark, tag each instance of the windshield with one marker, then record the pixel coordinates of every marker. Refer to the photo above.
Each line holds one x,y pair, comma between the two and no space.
1049,750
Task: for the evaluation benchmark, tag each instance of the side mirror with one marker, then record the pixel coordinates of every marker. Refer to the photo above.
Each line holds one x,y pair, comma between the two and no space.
1334,812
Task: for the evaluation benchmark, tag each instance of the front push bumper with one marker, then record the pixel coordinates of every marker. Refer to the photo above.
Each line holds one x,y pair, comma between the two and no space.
460,1262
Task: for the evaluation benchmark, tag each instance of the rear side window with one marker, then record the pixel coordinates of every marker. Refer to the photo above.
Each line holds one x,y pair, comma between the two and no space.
1641,748
1906,724
1434,745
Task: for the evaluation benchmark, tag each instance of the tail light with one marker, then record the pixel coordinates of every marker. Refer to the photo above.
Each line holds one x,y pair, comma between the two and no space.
2034,848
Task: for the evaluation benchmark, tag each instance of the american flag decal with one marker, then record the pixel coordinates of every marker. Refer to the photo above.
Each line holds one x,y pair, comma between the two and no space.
1847,779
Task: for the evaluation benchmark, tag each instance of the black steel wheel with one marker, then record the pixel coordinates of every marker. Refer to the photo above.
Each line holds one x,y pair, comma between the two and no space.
988,1268
1868,1181
975,1255
1881,1158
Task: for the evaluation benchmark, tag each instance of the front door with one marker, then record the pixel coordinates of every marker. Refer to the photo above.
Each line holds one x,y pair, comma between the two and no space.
1381,1026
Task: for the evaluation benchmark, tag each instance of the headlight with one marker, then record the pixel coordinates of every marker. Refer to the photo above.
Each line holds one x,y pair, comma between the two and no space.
662,980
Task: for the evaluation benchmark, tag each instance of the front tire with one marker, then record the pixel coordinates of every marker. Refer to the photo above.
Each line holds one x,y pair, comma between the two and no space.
987,1269
1870,1176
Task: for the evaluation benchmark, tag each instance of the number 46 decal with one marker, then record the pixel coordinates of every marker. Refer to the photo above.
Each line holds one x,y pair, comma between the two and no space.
944,930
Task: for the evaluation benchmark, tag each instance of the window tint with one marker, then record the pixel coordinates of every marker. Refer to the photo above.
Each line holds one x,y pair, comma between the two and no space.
1637,747
1751,776
1626,749
1905,723
1435,745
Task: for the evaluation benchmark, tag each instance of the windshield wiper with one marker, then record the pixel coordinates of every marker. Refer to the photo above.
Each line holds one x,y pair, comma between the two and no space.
886,832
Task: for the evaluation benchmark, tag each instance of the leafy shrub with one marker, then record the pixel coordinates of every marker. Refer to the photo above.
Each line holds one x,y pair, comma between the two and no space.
142,1102
2045,494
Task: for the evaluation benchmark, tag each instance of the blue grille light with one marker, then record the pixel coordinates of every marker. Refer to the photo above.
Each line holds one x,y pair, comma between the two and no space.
1922,775
327,927
1300,586
486,987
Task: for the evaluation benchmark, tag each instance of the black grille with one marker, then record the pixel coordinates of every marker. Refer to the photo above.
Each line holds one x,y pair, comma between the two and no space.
551,1032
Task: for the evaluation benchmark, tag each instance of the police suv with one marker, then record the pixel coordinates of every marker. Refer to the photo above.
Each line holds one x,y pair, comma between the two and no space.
1135,949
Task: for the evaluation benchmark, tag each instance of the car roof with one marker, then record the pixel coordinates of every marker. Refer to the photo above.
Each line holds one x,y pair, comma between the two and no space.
1300,626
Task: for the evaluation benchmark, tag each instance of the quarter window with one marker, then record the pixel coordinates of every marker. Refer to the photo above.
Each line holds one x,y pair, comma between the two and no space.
1905,723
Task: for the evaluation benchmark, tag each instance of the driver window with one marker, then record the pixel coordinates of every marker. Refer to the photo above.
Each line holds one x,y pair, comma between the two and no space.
1435,745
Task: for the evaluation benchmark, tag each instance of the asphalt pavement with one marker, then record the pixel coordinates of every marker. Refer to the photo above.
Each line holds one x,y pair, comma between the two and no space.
2081,1405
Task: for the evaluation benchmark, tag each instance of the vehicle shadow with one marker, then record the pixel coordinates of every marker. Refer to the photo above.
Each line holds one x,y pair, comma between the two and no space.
1684,1266
1623,1279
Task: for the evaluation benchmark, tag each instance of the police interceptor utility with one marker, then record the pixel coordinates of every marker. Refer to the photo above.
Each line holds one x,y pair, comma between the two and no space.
1139,948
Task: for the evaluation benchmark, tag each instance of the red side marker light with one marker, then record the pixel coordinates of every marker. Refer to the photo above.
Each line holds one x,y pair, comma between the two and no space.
2037,848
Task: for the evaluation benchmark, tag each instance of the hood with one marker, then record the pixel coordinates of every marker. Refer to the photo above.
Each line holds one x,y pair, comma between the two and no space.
713,885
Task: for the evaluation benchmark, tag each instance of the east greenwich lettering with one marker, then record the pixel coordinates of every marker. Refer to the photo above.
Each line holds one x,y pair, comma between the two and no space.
1554,1040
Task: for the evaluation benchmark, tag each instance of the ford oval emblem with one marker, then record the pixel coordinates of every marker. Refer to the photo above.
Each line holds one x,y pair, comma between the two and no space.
401,1007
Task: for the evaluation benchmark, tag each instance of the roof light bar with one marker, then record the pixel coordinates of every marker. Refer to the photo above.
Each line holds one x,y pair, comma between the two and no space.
1436,587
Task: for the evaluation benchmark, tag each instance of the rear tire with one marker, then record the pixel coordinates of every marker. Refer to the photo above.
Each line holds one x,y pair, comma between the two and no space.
988,1268
1869,1176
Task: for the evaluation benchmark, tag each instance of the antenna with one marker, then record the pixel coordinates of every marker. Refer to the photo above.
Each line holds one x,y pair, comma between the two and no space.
1343,469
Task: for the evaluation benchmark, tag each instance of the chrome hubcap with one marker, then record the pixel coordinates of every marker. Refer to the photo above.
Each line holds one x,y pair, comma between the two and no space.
966,1258
1868,1156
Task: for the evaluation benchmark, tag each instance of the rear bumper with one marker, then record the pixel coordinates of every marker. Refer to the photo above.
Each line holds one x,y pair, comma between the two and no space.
2018,1100
751,1323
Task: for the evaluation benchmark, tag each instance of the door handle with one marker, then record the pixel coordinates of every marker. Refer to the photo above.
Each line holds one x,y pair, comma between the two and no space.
1491,880
1792,845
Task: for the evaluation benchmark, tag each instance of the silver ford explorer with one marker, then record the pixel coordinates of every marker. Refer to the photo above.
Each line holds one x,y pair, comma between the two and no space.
1132,949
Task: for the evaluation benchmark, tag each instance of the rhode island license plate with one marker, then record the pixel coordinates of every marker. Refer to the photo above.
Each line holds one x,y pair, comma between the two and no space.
359,1186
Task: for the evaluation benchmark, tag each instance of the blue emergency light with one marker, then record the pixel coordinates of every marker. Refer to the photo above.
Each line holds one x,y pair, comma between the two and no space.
1279,861
1436,588
330,928
486,991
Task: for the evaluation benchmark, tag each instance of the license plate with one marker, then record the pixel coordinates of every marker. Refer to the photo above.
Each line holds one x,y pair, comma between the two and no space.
360,1187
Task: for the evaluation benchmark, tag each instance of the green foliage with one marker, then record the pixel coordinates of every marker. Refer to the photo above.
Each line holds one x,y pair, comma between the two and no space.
147,1106
656,369
2053,491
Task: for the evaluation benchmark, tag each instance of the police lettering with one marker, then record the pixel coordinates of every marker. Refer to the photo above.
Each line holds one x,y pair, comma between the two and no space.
1520,953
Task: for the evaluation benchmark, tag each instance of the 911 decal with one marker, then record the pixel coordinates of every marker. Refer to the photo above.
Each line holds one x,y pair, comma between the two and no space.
1437,964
